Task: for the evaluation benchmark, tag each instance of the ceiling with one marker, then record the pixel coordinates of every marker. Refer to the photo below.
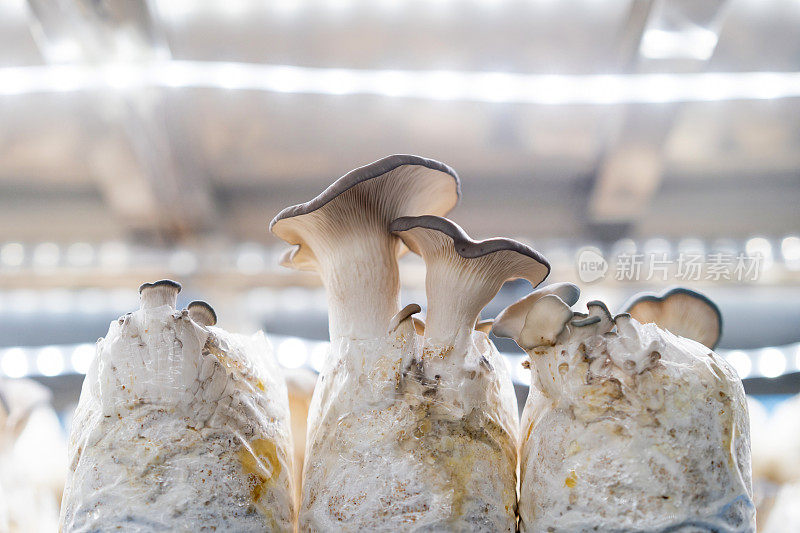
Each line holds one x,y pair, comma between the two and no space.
165,164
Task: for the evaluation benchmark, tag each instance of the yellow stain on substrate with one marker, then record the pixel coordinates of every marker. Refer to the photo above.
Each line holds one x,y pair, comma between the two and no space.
260,461
571,480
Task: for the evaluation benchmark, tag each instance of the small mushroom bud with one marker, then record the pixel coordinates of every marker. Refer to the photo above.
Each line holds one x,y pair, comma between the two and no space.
681,311
597,322
202,313
159,293
286,259
403,314
546,319
484,326
509,323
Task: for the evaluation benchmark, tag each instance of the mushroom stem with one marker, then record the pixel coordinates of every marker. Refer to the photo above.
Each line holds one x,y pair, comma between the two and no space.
456,291
363,285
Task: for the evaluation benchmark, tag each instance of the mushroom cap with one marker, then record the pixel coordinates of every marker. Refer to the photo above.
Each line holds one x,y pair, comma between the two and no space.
597,322
161,283
462,243
510,321
403,314
484,326
545,320
681,311
159,293
421,231
391,187
202,313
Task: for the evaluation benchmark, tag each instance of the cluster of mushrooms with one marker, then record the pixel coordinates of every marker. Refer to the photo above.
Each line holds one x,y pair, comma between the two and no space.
632,423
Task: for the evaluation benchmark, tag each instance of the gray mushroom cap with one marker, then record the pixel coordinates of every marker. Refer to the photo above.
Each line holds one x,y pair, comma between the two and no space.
463,244
462,274
376,193
681,311
597,322
159,293
202,313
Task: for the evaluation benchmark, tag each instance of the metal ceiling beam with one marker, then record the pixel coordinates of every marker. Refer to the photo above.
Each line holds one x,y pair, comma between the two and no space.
630,171
164,194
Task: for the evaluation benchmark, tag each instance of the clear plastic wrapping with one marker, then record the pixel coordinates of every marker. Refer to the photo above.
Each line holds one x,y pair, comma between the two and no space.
634,429
402,437
179,427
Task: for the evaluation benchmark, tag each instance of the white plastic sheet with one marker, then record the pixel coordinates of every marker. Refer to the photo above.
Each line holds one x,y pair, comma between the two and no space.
634,429
406,438
180,427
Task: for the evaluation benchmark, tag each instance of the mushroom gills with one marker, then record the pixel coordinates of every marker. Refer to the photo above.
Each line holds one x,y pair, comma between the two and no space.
544,322
202,313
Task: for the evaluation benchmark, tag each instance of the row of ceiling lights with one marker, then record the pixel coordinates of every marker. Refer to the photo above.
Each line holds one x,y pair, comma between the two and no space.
294,352
498,87
254,258
177,11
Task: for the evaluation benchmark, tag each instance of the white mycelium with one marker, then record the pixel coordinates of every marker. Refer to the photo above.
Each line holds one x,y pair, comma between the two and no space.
180,427
627,427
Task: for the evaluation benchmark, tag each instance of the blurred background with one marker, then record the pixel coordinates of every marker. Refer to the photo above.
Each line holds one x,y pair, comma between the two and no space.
150,139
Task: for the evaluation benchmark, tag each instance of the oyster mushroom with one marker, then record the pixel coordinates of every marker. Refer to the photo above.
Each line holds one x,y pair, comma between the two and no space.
463,275
343,235
510,321
180,426
404,314
202,313
613,399
682,311
159,293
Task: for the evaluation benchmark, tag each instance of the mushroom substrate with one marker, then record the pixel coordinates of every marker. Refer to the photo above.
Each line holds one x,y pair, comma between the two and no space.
180,426
621,412
343,235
